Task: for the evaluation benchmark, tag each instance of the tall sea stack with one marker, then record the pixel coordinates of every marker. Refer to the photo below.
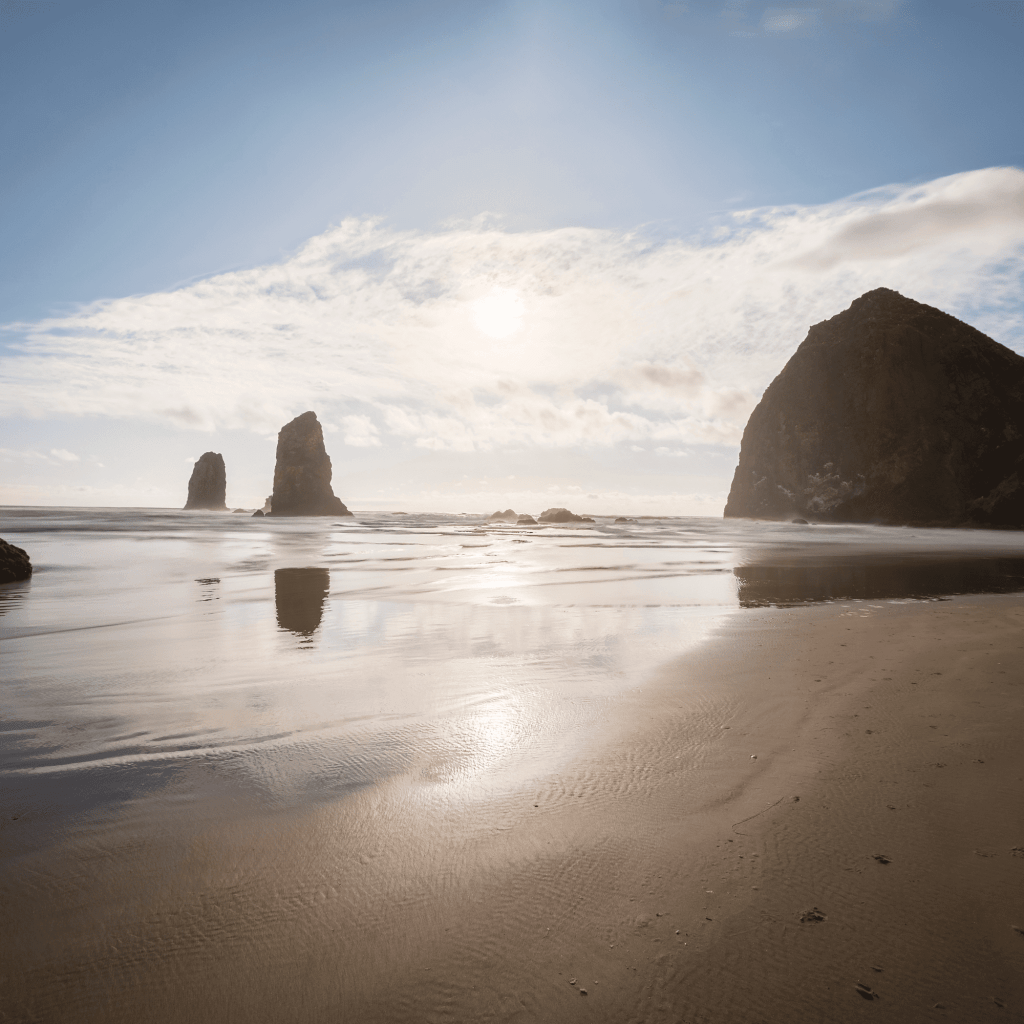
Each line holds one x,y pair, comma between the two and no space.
207,487
890,412
302,477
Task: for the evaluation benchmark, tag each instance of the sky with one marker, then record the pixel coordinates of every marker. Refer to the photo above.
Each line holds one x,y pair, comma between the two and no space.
521,253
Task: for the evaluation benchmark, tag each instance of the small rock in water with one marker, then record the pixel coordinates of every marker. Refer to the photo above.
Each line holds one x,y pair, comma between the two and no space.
14,563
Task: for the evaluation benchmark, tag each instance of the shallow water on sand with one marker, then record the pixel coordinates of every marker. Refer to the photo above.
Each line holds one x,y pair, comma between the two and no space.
164,666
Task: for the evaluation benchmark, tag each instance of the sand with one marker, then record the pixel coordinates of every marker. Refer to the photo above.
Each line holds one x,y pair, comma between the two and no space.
816,817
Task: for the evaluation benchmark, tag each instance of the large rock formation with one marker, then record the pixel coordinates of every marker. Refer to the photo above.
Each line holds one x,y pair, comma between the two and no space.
890,412
302,477
14,563
508,516
207,487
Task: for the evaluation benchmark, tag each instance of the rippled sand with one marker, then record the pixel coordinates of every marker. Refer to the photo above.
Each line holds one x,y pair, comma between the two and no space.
423,769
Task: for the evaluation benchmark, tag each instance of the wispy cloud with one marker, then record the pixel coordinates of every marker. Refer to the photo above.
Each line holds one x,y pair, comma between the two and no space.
604,337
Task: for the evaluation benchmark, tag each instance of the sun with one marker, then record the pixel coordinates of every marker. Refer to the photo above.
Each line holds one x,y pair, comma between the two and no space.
498,314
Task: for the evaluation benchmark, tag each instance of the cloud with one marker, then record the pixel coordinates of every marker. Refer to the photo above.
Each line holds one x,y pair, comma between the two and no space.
64,455
360,431
618,337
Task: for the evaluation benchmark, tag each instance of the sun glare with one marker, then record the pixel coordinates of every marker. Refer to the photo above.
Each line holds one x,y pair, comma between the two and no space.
499,314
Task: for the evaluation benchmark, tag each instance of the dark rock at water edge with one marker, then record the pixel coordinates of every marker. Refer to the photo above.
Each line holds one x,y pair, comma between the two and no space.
561,515
14,563
207,487
890,412
508,516
258,512
525,520
302,476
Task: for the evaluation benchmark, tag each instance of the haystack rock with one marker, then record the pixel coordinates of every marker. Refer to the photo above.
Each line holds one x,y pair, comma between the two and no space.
302,477
890,412
525,520
14,563
561,515
508,516
207,486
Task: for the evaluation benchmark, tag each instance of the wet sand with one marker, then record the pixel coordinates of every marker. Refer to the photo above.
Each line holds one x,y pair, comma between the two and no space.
675,871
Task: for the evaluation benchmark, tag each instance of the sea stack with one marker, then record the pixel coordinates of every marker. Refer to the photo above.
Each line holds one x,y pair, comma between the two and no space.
207,487
890,412
14,563
302,477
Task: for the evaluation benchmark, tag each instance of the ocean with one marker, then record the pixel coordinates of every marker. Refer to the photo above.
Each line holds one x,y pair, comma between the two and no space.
171,679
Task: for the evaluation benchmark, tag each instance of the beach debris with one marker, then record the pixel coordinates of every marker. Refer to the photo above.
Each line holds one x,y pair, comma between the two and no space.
1017,851
796,799
583,991
999,1002
865,992
879,969
572,981
881,858
1013,927
753,757
812,915
939,1006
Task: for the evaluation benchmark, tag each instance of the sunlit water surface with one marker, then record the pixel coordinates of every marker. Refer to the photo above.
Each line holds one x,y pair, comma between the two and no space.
303,658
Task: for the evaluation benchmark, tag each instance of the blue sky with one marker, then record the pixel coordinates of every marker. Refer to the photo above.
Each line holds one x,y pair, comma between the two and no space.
428,162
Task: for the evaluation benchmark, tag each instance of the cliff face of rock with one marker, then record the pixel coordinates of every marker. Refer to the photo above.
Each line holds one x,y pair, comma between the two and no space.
890,412
14,563
207,487
302,477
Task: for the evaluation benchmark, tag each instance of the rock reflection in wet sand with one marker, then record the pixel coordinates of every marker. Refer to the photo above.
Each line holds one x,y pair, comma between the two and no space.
888,578
299,597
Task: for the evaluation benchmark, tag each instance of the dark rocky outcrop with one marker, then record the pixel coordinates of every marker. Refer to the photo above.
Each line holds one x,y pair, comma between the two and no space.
525,520
561,515
890,412
207,487
508,516
623,519
14,563
258,512
302,477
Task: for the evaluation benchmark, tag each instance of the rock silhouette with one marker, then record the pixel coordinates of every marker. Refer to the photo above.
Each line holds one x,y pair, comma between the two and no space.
14,563
302,476
508,516
207,487
890,412
525,520
561,515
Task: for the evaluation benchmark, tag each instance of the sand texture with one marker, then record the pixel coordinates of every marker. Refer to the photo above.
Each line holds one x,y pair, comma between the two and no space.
816,817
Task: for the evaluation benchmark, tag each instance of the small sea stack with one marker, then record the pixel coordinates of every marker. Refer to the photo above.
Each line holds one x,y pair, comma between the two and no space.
891,412
302,476
562,515
207,487
15,564
508,516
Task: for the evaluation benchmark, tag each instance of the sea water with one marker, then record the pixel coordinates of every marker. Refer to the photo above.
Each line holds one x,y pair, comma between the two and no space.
165,671
321,654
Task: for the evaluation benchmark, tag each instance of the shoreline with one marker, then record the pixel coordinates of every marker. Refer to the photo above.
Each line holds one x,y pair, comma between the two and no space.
897,726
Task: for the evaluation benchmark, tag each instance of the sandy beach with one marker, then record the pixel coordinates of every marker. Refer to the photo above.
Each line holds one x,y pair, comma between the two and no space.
817,815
